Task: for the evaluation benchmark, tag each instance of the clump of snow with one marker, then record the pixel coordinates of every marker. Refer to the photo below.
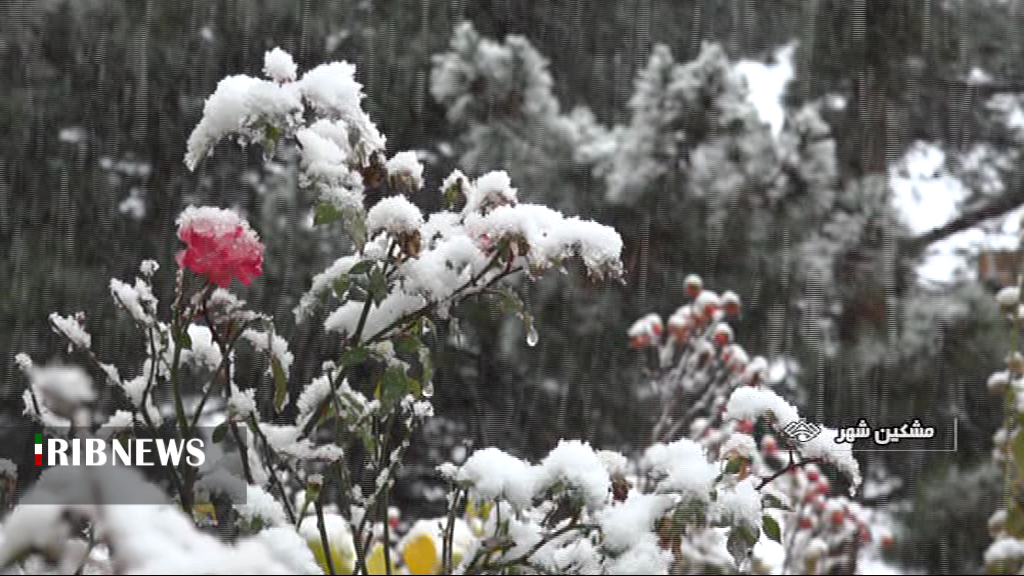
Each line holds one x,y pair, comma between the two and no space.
551,237
211,221
325,163
312,395
650,325
332,89
406,167
345,319
750,403
241,104
753,402
261,505
149,267
625,525
63,389
998,381
1005,549
1008,296
71,328
242,403
279,66
285,440
646,557
272,344
322,283
496,474
739,445
137,300
151,538
440,270
978,76
395,214
740,504
576,464
683,466
489,191
119,421
614,462
204,353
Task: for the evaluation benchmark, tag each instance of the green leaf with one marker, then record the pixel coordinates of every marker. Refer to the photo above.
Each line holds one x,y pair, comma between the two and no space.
220,432
734,465
692,512
378,286
1017,447
355,226
271,134
325,213
771,528
407,344
1015,521
353,357
451,193
184,340
741,539
341,286
393,386
361,267
369,441
280,383
427,363
772,501
512,302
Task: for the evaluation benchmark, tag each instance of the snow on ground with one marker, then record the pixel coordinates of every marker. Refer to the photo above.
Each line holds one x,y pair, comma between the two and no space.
927,195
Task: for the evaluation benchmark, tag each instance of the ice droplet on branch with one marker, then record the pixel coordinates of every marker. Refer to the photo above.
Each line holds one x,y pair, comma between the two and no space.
532,336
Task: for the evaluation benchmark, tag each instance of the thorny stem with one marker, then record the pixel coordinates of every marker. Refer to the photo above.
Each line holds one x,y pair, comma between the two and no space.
175,479
383,505
268,461
224,363
449,532
1008,408
403,320
151,341
354,341
384,467
176,333
225,352
387,532
525,557
766,480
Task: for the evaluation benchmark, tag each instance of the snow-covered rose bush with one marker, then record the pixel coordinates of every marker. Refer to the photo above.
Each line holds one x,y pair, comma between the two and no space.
308,505
704,497
1006,553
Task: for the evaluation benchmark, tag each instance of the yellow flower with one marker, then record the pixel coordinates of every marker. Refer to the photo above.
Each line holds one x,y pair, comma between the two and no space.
375,563
339,539
422,546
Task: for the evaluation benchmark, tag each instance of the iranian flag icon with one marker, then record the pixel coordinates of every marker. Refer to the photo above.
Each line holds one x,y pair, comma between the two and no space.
39,449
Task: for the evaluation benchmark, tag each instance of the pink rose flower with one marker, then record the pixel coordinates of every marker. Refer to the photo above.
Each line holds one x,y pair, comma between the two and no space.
221,246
